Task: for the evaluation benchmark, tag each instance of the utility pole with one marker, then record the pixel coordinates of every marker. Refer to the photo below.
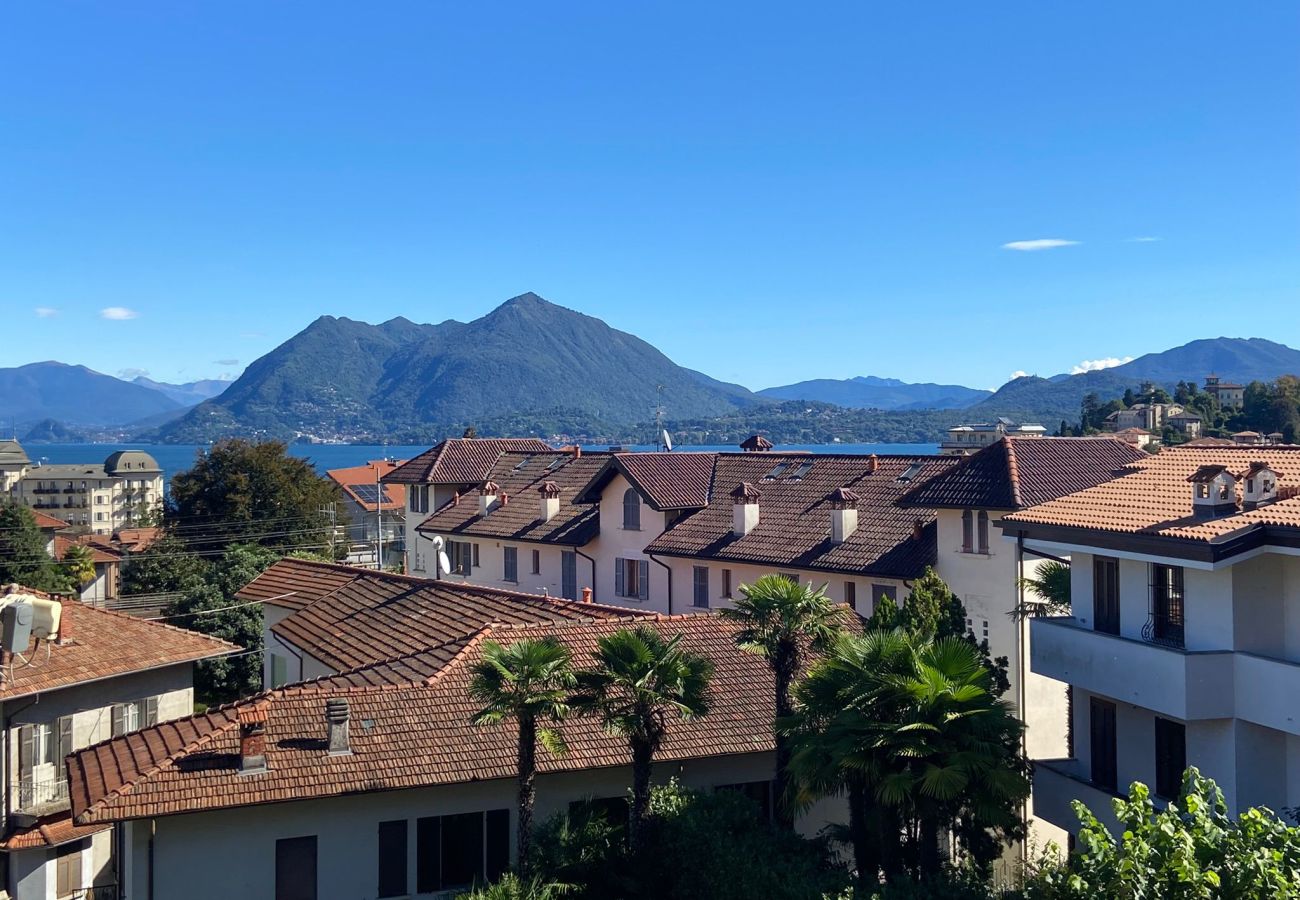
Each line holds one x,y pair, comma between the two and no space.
379,519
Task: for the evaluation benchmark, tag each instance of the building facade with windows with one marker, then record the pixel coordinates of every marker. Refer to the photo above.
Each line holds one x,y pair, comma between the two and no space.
1183,647
325,789
102,498
108,674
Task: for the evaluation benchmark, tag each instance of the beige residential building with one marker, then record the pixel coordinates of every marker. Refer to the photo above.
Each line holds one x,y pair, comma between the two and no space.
101,497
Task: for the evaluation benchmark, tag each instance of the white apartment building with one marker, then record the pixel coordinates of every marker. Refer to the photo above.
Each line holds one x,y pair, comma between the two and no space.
101,497
324,789
106,675
966,439
1184,643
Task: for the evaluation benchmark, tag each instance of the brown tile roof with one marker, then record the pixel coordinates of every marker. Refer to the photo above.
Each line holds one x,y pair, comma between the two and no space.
49,831
1154,497
133,540
296,583
794,514
519,478
408,735
101,644
462,460
679,480
1016,472
381,616
363,478
48,522
100,551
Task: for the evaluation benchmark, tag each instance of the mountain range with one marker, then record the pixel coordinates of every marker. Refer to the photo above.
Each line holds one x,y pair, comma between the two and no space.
532,367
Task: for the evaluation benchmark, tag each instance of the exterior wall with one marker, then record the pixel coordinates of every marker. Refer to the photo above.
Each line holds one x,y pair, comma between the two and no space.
278,649
683,584
103,504
615,542
346,828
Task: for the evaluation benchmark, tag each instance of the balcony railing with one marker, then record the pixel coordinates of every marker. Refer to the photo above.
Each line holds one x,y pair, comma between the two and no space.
98,892
1165,630
33,794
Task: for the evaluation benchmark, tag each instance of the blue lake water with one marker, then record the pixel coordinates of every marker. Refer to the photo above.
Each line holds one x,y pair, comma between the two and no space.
174,458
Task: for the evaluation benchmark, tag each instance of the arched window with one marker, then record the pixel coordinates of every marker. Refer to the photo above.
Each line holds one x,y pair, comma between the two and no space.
984,531
631,510
967,531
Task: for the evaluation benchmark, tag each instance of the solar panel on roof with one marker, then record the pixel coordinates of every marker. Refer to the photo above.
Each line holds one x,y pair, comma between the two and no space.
366,493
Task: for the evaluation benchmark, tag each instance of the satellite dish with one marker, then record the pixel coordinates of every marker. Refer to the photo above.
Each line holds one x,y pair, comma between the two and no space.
438,542
444,564
668,441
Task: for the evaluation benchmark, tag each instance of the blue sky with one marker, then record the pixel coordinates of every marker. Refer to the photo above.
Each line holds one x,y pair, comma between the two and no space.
766,191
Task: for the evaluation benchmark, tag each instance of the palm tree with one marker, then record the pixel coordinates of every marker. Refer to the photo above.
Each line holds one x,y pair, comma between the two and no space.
79,562
1051,585
779,618
639,681
529,681
911,731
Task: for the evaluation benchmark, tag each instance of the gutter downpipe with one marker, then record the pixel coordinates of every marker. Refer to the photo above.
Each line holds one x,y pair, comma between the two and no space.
651,556
152,832
591,560
1022,624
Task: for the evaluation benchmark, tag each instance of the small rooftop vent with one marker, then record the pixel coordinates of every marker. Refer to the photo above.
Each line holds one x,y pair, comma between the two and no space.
745,508
337,718
1214,492
1259,485
844,514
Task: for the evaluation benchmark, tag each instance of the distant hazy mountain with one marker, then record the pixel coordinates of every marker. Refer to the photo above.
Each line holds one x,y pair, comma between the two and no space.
75,396
191,393
1232,359
870,392
49,431
527,360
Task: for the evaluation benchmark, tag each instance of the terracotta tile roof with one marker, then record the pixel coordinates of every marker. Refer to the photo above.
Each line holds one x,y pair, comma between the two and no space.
358,483
49,831
408,735
519,478
462,460
48,522
1155,498
381,616
100,550
133,540
101,644
795,514
679,480
1015,472
296,583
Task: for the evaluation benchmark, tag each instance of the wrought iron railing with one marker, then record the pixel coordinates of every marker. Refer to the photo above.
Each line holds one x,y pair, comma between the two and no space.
1167,631
97,892
33,794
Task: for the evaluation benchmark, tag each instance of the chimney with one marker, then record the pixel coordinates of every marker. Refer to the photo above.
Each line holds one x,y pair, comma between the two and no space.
337,716
1214,492
586,595
844,514
487,497
455,498
576,450
873,463
550,492
918,529
252,738
744,514
1260,486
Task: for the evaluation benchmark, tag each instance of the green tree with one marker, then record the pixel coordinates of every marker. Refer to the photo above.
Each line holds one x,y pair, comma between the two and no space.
911,730
79,565
1051,585
23,557
165,566
638,683
527,682
1190,849
244,492
779,619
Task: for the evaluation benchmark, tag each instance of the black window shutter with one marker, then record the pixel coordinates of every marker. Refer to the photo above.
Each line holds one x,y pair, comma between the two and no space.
497,856
619,568
392,858
643,571
428,855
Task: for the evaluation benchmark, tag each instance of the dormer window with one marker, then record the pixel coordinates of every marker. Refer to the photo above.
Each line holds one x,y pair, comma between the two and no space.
631,510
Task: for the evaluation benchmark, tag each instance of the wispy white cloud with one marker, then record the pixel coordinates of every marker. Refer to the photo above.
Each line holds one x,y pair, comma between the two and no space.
1145,239
45,312
128,374
1039,244
225,362
117,313
1096,365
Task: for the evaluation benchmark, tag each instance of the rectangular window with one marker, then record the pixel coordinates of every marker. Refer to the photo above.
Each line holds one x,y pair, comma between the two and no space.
982,521
726,583
510,558
1166,625
475,552
295,868
967,531
456,852
537,562
279,670
632,578
1105,774
569,574
851,594
133,716
461,556
700,586
392,858
1105,594
418,498
881,593
1171,757
67,869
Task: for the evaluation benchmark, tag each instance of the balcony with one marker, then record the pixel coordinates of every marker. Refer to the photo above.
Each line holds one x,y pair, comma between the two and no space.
1267,689
41,797
1058,783
1168,680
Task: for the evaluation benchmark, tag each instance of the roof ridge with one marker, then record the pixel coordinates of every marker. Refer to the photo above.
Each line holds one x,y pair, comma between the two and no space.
156,624
1013,471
